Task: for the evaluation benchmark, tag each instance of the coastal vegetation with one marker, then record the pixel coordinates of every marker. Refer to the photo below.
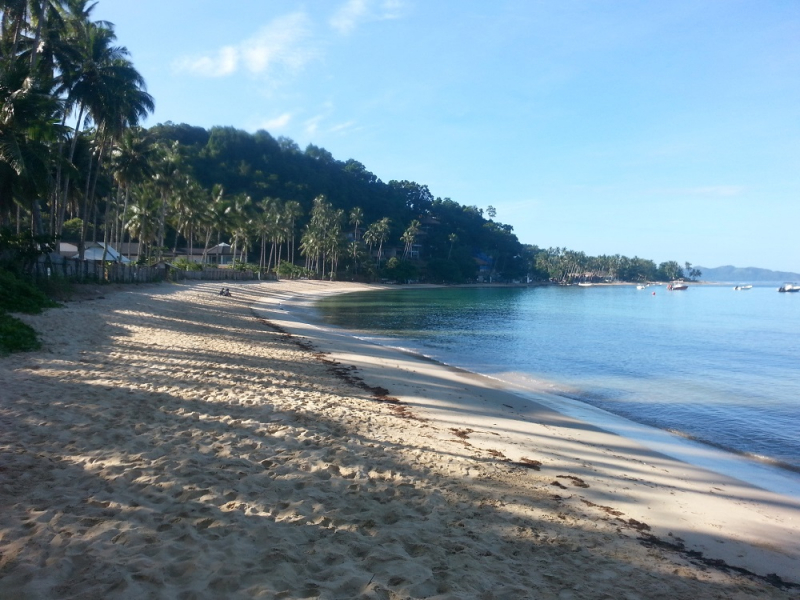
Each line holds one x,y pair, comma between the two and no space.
76,166
17,295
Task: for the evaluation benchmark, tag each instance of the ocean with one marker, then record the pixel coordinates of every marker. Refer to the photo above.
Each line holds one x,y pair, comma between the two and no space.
709,364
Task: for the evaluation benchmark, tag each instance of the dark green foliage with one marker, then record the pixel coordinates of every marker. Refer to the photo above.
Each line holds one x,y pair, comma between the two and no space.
72,230
186,135
18,251
241,266
17,295
186,265
401,271
16,336
289,271
444,270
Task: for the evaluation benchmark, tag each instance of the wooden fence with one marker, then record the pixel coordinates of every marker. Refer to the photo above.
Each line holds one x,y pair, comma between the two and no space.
73,269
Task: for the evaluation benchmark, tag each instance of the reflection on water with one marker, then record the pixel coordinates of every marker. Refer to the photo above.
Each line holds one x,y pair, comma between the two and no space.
709,363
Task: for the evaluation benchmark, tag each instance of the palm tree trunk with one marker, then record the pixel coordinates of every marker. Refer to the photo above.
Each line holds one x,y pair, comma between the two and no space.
38,35
191,240
63,206
84,213
162,217
209,231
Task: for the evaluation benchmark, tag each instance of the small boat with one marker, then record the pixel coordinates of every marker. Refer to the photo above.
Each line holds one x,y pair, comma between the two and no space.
743,287
641,286
585,284
677,286
789,287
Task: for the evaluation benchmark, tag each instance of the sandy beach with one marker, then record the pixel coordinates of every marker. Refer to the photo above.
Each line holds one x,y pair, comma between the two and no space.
167,442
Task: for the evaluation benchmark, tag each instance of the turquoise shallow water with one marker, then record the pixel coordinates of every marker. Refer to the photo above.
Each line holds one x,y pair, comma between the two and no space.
712,364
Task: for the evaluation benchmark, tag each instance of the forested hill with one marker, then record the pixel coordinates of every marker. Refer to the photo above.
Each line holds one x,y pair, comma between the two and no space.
258,167
253,174
733,274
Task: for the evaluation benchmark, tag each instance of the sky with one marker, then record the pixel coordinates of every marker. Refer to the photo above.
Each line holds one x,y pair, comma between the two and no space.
665,129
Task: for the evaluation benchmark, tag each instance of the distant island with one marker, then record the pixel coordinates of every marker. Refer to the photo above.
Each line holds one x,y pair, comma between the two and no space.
746,274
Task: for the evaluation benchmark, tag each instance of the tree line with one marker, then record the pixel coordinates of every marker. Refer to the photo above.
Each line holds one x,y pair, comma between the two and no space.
75,165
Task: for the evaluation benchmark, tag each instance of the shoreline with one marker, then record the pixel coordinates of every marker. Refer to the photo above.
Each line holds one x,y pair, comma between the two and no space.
692,460
172,443
760,471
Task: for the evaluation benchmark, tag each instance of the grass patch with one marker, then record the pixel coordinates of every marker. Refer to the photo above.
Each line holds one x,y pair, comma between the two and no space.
16,336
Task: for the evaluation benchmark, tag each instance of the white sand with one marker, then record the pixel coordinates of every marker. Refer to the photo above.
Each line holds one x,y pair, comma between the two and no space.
170,443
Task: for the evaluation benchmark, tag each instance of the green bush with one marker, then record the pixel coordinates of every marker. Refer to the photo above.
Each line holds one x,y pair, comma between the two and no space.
185,264
401,270
16,336
288,270
19,251
17,295
242,266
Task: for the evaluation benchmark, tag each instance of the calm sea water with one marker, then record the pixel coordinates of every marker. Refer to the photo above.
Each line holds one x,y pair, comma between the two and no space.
710,363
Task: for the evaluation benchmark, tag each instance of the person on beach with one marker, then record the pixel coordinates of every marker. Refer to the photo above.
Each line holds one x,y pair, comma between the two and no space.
227,292
222,292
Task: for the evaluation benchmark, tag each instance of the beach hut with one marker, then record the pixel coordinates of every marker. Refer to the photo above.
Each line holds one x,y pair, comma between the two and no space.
101,251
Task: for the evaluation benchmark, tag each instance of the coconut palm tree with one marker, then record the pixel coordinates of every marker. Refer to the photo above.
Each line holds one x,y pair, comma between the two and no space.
356,218
452,238
167,177
29,124
142,218
292,211
409,237
131,163
103,87
376,234
239,216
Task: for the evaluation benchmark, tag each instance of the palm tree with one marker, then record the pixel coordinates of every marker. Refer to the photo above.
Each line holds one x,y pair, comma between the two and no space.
29,124
377,233
131,161
14,22
292,211
409,236
354,250
239,218
265,224
103,87
142,217
190,210
167,178
452,238
356,218
322,240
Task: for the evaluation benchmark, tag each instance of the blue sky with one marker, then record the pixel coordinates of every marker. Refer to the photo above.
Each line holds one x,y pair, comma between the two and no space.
664,129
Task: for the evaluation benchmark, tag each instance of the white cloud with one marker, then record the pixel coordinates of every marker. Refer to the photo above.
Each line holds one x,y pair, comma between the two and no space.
312,124
278,122
223,63
354,12
342,127
392,9
349,15
284,42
